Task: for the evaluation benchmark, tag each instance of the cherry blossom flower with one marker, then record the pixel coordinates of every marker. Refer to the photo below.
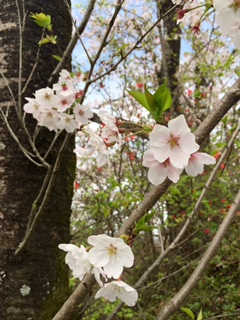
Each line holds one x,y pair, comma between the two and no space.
64,102
46,97
110,132
49,119
33,107
118,289
175,143
67,122
107,118
64,88
78,77
64,75
159,171
196,163
76,259
228,18
95,145
82,113
112,254
111,135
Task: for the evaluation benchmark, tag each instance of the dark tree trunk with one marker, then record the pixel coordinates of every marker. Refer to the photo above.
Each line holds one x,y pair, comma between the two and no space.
39,267
169,33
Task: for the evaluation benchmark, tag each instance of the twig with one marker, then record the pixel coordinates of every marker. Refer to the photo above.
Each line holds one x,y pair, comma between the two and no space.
28,154
46,196
73,41
182,294
19,106
194,213
123,57
225,104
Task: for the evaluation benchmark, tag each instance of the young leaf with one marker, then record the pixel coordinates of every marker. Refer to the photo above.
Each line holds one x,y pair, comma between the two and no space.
48,39
188,312
200,315
163,96
139,97
152,103
142,225
56,57
42,20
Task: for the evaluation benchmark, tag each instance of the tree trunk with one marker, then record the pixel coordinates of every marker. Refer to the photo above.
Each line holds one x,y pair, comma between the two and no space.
34,283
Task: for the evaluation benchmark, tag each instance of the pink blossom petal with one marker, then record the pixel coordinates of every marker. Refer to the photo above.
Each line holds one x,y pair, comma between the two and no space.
205,158
173,173
179,159
178,126
159,136
148,159
161,154
157,174
194,168
187,143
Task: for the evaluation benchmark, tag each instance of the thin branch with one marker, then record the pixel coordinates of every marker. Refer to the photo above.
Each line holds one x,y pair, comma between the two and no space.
46,196
40,195
176,242
123,57
182,294
19,107
34,67
73,41
203,131
225,315
29,155
225,104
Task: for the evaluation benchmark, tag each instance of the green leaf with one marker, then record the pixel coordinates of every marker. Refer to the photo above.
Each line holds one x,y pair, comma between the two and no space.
155,103
200,315
48,39
152,103
58,58
142,225
139,97
42,20
163,96
188,312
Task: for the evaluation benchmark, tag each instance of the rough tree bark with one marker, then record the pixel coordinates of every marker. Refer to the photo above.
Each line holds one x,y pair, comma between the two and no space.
40,267
169,33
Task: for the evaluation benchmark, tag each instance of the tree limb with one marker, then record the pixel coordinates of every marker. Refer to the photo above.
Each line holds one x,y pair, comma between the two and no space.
182,294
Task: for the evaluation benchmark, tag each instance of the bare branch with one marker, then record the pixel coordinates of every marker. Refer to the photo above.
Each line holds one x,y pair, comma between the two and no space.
176,242
123,57
180,297
73,41
46,192
151,198
201,133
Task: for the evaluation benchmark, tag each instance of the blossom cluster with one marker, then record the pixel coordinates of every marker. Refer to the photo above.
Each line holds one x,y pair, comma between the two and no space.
59,108
105,260
173,149
228,18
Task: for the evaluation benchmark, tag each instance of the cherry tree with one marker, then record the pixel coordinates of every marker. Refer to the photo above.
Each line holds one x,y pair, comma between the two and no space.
129,99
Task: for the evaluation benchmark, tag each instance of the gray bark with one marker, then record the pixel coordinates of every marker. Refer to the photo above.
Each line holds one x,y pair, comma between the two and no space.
40,267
